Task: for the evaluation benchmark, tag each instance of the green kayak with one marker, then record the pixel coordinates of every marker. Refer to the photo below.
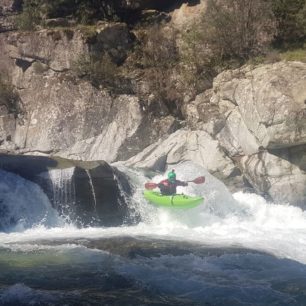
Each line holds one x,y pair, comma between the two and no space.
177,200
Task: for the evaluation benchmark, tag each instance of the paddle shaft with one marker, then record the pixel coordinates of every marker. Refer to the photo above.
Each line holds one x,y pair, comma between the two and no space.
198,180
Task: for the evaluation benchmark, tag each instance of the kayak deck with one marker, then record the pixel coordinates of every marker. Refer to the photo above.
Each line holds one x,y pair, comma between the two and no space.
177,200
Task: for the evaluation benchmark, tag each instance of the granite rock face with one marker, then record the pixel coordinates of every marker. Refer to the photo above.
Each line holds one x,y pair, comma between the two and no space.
268,101
63,114
185,145
259,121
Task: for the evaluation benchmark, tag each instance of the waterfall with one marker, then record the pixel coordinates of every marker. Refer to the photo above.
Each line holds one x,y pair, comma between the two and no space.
63,187
92,189
23,204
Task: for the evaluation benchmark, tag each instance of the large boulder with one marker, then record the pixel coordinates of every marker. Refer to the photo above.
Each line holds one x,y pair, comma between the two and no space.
280,174
185,145
257,115
84,193
268,102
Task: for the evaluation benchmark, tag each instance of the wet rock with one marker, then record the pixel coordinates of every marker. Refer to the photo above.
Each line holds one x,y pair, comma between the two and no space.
84,193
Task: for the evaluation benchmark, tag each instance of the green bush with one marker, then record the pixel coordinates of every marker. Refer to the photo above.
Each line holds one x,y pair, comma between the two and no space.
294,55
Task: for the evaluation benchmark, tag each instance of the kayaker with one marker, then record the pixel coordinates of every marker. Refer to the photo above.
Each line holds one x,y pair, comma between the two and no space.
168,186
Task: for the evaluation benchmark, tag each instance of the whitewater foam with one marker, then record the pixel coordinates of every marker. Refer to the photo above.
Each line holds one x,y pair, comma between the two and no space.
23,204
245,220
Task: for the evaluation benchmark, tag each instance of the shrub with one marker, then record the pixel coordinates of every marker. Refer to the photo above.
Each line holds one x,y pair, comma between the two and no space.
238,28
157,48
34,12
198,64
228,34
294,55
30,16
98,69
291,22
158,55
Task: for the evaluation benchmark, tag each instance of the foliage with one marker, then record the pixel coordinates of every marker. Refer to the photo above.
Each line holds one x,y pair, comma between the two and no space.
30,16
98,69
197,64
83,11
294,55
157,54
157,48
291,22
8,96
237,28
229,33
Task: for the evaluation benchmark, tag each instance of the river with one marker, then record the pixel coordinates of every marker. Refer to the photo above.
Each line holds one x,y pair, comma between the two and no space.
235,249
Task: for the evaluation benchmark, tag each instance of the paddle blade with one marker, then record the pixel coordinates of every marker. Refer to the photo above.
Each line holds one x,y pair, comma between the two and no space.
199,180
150,186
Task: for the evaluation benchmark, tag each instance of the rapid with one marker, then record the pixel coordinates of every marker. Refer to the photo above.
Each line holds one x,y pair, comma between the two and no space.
234,249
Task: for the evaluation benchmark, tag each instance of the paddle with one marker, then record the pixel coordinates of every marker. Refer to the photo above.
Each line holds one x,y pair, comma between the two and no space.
198,180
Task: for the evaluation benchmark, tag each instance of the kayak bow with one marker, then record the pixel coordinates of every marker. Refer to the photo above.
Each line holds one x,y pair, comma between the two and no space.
177,200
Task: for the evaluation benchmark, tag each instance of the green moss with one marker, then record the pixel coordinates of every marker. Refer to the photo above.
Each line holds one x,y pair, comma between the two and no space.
89,32
294,55
276,55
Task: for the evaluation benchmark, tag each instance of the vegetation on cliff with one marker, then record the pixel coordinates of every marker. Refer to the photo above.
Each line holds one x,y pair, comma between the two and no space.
177,64
35,12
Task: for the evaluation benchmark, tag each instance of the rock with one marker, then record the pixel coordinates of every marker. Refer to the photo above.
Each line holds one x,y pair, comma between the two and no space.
122,121
57,22
279,174
154,16
115,39
257,117
9,6
56,48
84,193
61,48
204,113
184,145
270,100
188,13
265,127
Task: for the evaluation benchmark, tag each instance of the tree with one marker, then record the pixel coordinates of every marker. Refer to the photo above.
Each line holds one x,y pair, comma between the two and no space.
238,28
291,22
